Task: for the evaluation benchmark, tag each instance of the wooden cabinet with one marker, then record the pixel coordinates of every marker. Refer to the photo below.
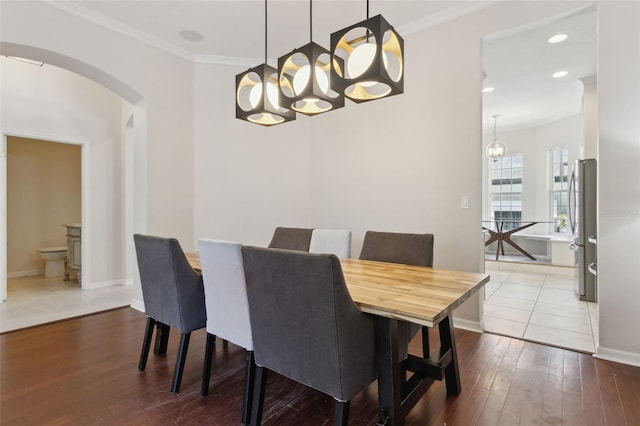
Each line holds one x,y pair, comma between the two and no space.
73,264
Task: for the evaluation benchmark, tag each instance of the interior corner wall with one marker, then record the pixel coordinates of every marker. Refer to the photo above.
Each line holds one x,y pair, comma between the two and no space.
61,106
249,178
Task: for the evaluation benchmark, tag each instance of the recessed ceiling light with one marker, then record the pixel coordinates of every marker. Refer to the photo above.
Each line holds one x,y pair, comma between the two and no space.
488,89
557,38
560,74
191,35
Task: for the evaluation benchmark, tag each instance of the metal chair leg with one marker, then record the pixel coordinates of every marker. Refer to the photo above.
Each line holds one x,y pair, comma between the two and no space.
162,338
146,344
258,400
180,359
341,416
206,371
249,383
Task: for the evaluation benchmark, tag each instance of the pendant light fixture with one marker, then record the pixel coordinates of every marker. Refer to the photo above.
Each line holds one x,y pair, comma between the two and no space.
304,77
257,97
367,60
496,149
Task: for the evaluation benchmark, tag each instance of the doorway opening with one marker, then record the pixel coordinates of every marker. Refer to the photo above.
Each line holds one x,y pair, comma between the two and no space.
532,294
84,107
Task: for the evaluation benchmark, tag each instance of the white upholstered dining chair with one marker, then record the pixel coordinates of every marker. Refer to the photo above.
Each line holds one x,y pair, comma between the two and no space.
331,241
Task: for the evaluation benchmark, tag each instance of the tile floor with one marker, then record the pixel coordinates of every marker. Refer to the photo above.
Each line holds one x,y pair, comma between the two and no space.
38,300
540,307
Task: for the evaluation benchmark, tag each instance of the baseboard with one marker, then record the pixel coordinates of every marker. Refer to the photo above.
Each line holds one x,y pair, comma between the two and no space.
615,355
138,304
463,324
102,284
21,274
565,271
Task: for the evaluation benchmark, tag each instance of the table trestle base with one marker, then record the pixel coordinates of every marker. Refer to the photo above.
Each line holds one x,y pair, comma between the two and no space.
442,364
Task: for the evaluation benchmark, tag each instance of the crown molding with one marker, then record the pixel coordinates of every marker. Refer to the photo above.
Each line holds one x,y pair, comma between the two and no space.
81,12
466,8
116,26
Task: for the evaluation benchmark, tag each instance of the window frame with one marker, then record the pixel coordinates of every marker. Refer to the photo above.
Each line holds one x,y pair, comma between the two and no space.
508,179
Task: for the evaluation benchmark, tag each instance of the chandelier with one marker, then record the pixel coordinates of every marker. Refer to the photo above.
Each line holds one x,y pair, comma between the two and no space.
257,92
365,62
496,149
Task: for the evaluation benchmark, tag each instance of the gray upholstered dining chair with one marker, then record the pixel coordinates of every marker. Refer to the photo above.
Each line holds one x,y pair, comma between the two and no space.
332,241
291,238
173,297
306,327
227,308
408,249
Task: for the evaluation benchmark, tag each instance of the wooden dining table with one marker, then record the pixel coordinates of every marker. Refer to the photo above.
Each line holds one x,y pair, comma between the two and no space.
396,293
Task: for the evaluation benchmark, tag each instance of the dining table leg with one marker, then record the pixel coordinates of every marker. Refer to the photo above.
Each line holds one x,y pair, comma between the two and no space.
448,342
389,371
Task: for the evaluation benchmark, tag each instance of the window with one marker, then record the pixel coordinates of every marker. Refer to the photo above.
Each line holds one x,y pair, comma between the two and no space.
506,190
559,187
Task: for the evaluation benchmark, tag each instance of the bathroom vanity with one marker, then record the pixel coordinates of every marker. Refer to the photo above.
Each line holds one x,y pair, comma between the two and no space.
74,253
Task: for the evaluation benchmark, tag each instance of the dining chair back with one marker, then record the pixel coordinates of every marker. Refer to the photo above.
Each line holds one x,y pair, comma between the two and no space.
306,327
408,249
227,308
173,297
291,238
333,241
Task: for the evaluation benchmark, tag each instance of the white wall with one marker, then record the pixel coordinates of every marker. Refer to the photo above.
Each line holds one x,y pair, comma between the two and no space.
249,179
54,104
618,247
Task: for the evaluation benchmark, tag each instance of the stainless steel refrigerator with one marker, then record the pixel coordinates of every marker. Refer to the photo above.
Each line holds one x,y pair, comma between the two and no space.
582,218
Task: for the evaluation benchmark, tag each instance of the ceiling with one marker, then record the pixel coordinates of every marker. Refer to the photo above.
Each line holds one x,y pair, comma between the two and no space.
518,64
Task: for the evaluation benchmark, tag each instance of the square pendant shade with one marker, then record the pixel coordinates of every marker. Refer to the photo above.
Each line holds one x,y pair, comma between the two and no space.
367,60
305,76
257,97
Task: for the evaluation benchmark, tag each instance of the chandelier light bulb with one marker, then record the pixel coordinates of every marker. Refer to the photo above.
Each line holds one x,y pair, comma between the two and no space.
301,79
360,60
255,94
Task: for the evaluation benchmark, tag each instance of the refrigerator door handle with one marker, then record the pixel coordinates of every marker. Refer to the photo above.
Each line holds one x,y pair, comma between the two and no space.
572,198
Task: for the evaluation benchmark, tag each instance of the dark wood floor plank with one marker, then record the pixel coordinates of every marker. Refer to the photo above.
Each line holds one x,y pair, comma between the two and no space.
629,397
610,400
84,371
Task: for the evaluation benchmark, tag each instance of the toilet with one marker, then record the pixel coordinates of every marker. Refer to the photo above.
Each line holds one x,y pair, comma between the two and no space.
54,258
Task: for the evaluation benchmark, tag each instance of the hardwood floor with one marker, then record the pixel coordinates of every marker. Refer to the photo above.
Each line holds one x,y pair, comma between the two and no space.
84,371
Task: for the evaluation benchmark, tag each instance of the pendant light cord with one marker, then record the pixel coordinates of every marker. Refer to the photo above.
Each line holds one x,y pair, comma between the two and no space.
310,20
265,31
495,126
368,32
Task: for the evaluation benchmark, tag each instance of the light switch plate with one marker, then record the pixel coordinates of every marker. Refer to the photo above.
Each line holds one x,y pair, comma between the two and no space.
464,202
